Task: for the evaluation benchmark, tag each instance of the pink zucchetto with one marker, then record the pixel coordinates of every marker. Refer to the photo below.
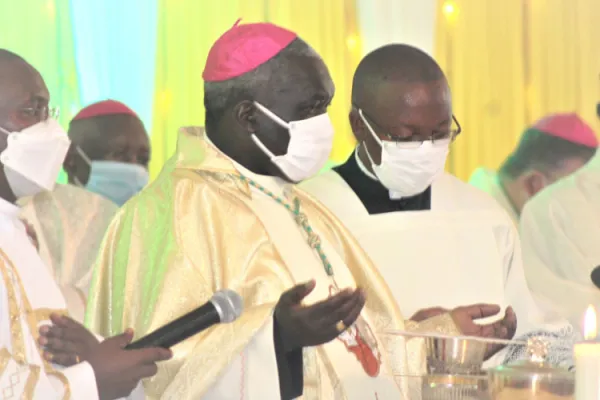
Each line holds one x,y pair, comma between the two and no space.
568,127
243,48
106,107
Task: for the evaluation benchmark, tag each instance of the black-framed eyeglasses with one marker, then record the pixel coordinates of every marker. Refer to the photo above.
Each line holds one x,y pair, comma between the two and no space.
414,140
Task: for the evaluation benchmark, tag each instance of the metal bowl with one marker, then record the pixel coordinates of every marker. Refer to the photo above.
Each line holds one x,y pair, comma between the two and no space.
454,356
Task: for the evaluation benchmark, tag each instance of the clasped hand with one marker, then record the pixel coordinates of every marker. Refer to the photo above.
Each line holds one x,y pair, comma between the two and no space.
465,317
304,326
117,370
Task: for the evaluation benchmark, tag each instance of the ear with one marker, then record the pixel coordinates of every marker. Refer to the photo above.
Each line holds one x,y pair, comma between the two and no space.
534,182
245,115
358,125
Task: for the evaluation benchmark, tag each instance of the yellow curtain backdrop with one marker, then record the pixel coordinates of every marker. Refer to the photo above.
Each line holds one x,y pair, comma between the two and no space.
479,46
187,29
564,46
511,62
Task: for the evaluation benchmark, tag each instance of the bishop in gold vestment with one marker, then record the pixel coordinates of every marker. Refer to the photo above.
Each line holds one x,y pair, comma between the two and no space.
195,230
224,214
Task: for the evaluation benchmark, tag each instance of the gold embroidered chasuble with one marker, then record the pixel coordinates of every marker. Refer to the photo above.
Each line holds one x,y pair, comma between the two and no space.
194,231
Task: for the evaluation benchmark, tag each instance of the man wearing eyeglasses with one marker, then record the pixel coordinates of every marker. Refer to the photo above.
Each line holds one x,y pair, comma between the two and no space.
32,149
435,240
560,231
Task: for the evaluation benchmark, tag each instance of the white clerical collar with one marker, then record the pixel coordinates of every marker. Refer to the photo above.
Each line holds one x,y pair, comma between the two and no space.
9,210
274,184
393,195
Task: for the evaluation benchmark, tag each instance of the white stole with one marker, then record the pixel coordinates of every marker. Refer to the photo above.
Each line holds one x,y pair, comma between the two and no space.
23,266
304,265
37,281
44,296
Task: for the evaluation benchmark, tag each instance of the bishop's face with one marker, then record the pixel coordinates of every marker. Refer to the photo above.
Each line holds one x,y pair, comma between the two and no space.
121,138
304,91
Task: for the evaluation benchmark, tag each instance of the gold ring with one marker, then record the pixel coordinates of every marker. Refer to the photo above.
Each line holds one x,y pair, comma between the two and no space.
340,326
77,360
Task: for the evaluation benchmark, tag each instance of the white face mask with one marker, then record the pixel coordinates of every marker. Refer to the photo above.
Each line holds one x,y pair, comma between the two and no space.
407,170
33,157
311,141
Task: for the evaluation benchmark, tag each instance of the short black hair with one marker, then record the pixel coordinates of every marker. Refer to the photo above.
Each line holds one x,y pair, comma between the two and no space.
393,62
543,152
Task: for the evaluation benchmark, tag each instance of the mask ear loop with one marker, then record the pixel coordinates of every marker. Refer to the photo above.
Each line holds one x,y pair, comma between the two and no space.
275,119
271,115
370,128
86,159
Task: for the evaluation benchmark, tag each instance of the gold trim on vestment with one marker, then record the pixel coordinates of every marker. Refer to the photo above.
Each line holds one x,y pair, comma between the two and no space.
5,358
32,379
33,318
16,331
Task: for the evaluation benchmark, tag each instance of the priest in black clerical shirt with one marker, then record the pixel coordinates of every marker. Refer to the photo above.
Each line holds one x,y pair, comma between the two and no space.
424,228
374,196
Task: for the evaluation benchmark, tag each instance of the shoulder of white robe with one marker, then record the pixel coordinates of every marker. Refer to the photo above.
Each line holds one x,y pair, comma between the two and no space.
325,185
565,194
457,195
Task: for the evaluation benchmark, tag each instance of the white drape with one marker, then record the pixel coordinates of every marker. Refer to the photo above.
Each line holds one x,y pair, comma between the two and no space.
406,21
559,229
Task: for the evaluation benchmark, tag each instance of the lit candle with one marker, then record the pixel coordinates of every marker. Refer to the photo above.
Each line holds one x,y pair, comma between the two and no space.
587,360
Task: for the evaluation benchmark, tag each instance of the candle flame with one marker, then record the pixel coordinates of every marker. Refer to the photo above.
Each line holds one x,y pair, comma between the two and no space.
590,325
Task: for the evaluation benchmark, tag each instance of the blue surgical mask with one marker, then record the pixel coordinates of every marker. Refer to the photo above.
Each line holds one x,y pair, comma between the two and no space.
116,181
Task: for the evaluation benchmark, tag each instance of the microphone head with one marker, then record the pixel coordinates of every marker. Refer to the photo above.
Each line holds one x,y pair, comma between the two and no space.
229,305
595,276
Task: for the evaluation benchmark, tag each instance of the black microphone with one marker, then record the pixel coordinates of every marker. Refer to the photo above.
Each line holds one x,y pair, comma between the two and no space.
224,306
595,276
